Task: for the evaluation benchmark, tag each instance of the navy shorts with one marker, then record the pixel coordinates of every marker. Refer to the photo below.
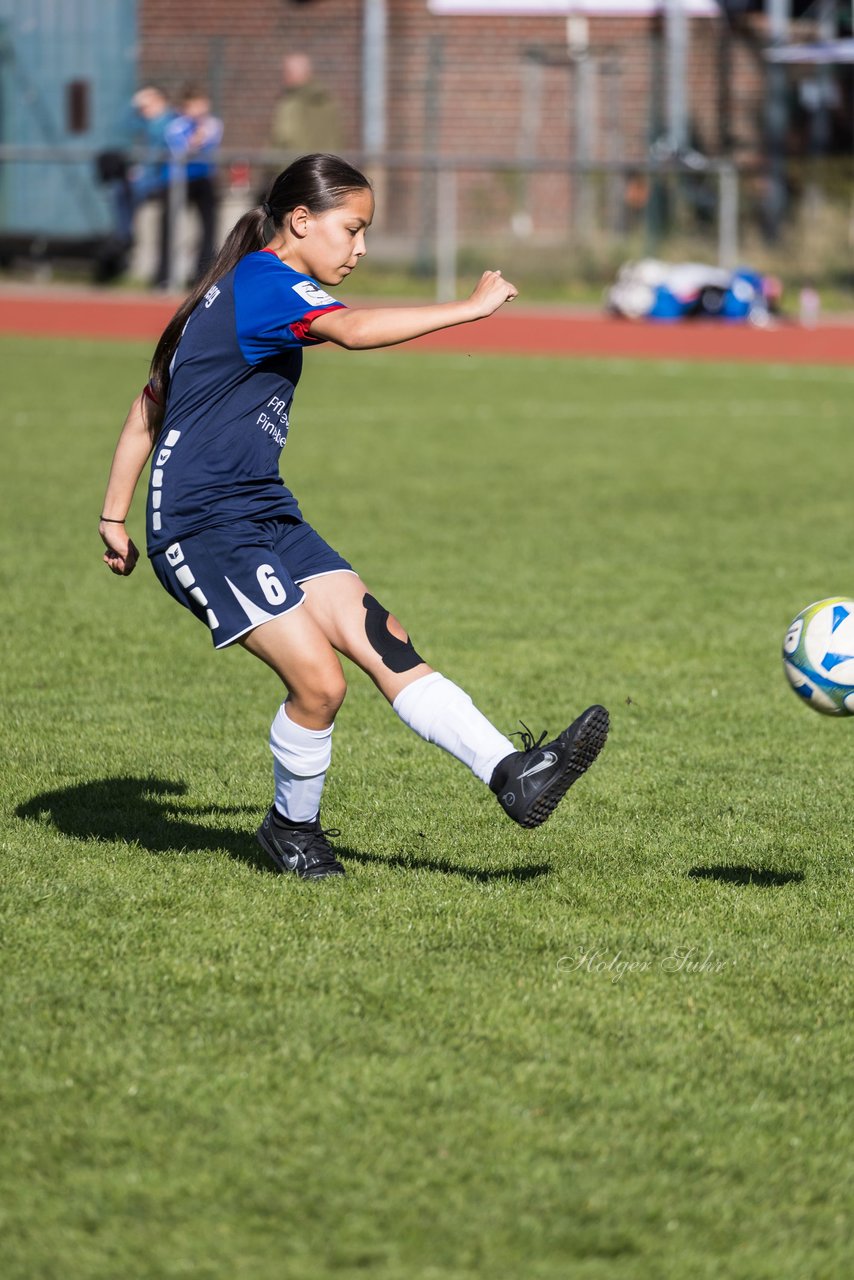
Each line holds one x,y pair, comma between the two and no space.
237,576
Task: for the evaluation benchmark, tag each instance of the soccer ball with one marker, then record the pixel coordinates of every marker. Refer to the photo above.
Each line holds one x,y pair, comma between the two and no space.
818,656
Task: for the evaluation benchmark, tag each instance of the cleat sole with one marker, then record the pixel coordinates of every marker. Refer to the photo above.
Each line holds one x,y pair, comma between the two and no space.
591,731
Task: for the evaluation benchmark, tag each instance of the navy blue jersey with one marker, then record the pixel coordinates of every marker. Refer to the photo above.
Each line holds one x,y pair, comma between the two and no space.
232,381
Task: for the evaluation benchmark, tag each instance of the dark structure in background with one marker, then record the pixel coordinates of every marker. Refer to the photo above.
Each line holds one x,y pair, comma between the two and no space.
67,74
415,77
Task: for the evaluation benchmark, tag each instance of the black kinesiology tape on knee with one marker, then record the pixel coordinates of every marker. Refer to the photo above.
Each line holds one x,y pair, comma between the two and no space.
397,655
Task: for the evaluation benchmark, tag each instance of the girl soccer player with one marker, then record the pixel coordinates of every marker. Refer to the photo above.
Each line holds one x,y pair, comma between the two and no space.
227,539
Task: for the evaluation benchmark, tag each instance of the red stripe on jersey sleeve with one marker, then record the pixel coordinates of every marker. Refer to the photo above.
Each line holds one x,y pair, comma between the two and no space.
300,328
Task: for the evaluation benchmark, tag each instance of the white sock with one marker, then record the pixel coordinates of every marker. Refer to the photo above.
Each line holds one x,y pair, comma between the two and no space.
441,712
300,760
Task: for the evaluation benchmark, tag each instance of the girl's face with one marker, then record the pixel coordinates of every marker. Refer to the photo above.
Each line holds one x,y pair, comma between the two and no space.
328,246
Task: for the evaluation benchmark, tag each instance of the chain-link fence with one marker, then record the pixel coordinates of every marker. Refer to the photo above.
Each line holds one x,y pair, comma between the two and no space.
443,216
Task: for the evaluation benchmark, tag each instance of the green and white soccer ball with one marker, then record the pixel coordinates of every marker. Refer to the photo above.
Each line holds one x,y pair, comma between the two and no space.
818,656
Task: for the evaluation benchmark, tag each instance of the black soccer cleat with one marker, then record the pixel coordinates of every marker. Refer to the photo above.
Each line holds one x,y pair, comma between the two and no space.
531,783
304,851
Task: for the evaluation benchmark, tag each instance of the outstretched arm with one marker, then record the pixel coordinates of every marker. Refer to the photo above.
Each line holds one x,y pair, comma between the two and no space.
358,328
132,452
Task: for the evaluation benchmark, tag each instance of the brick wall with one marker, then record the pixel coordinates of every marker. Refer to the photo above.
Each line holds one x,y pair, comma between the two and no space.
459,85
456,83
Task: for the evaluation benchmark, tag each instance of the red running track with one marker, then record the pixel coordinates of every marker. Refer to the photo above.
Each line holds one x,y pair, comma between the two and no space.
515,329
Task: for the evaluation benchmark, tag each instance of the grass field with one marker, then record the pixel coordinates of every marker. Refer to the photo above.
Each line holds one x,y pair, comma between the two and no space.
617,1048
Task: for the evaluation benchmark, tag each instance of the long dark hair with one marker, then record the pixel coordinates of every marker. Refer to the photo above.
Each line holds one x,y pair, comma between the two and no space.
318,181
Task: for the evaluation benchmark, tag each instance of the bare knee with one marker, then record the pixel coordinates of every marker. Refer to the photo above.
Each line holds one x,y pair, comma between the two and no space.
332,695
315,703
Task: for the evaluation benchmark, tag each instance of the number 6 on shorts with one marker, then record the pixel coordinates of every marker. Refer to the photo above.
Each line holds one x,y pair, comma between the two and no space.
270,584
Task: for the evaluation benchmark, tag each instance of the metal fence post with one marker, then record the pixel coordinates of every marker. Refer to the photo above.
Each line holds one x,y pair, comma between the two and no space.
446,235
727,216
176,202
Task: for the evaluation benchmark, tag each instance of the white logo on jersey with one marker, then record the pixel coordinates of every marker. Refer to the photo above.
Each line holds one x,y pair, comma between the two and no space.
211,295
313,294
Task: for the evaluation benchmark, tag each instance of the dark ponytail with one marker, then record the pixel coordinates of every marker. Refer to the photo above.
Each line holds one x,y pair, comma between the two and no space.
319,182
246,236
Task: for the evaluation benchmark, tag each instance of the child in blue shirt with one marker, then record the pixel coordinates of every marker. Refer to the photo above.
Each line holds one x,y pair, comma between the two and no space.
195,135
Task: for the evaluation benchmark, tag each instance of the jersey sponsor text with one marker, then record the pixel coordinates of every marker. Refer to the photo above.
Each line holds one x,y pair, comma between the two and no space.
313,294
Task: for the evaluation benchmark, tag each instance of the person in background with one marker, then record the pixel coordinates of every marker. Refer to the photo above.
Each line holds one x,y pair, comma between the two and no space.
150,181
305,118
196,135
130,185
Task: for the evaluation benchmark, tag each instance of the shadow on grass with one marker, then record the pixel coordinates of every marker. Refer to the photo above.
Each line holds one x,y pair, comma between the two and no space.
764,877
409,863
143,811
